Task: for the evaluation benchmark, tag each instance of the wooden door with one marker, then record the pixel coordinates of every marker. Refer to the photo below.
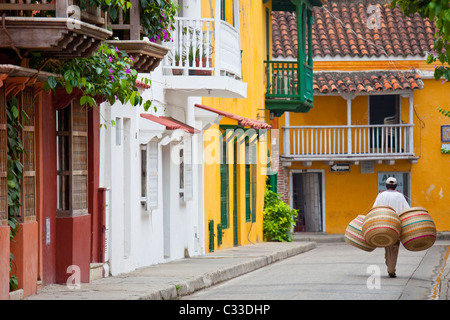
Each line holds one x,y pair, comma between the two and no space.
307,199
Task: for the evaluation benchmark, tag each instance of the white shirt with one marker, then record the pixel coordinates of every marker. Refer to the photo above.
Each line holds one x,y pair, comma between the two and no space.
393,199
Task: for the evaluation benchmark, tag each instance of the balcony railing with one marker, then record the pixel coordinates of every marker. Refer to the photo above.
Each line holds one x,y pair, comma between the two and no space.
288,87
333,142
203,46
58,28
56,9
281,80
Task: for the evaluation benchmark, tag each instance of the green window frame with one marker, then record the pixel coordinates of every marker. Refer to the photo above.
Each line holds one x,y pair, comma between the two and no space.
250,181
224,184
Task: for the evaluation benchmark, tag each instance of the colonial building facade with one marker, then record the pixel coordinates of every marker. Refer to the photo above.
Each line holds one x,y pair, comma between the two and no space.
374,116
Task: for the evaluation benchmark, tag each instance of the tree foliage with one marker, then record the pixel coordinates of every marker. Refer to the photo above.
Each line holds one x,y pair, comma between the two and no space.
437,11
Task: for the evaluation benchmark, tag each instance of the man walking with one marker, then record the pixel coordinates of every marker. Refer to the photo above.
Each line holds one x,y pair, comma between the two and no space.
396,201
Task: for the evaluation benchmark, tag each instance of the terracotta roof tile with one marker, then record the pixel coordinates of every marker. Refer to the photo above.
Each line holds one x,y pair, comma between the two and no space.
340,29
365,82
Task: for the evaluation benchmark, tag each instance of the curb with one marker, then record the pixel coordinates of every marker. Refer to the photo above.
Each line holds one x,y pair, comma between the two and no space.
179,289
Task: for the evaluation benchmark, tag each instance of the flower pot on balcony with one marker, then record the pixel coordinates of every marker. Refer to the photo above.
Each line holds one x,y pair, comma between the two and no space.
202,72
177,71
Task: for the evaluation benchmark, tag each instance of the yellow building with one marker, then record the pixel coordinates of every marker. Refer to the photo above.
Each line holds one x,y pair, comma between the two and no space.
242,141
234,191
374,115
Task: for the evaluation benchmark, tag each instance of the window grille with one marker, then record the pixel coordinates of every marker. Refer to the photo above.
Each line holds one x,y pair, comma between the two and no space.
72,160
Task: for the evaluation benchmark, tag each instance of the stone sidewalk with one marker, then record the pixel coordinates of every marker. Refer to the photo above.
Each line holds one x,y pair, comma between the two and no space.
169,281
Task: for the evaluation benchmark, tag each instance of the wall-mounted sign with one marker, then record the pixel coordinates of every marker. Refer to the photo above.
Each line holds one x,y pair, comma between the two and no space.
445,133
403,182
382,176
340,167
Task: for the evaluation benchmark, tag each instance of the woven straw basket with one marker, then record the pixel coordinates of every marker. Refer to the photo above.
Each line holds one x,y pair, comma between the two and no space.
418,229
354,235
381,227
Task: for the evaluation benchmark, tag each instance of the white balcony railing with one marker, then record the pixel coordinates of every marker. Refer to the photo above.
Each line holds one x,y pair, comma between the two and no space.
203,46
334,142
230,50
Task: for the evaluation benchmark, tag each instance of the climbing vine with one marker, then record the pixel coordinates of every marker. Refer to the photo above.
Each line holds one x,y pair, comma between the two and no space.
107,75
157,17
15,169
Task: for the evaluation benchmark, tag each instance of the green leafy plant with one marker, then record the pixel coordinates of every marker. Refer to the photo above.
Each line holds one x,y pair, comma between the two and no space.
439,12
107,75
158,18
111,6
278,218
15,170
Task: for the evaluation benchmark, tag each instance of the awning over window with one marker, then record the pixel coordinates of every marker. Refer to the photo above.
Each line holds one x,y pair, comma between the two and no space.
242,121
170,123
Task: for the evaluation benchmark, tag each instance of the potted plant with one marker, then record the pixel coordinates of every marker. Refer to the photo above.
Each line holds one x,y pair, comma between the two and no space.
178,62
204,56
204,59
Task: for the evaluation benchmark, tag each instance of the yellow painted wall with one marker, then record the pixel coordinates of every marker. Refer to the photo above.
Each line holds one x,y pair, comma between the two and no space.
352,193
430,176
252,31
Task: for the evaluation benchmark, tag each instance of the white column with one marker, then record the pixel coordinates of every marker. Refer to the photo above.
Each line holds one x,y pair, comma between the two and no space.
286,135
349,123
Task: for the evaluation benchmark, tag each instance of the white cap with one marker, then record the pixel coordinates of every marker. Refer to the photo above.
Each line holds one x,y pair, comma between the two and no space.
391,181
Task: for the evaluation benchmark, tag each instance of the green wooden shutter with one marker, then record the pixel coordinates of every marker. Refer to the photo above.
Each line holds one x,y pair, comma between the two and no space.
211,235
224,186
247,181
253,178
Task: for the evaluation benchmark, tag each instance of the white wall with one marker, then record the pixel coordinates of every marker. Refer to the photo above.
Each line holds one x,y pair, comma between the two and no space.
137,237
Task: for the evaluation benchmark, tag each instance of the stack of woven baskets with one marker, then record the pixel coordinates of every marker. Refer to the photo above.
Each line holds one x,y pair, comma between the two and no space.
382,227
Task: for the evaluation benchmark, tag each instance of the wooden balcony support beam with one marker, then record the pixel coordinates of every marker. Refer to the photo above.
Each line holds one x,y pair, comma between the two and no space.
53,36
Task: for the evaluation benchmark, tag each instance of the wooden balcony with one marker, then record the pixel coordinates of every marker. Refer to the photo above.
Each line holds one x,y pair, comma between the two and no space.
129,37
56,29
285,91
348,143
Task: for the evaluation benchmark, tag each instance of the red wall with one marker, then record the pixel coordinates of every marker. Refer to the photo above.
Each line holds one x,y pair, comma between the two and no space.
47,136
4,262
24,247
73,240
73,244
93,176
